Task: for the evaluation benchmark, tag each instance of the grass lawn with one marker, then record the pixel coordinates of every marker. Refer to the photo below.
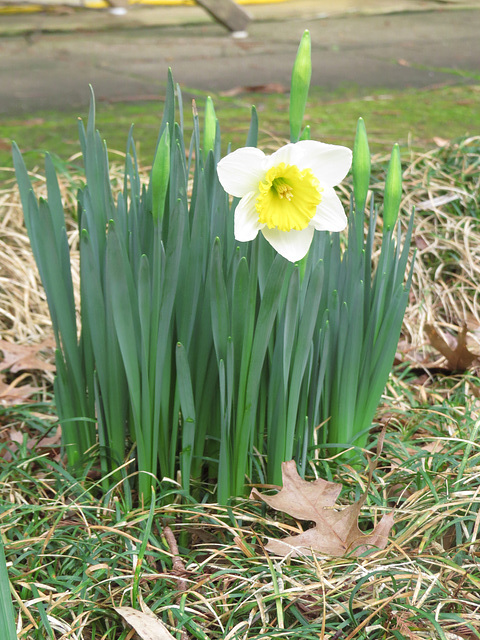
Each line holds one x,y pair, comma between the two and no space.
76,553
415,119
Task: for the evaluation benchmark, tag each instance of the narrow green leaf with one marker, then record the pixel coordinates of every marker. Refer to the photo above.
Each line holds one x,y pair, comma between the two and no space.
163,309
142,548
42,613
187,406
54,198
219,302
7,614
291,324
238,324
58,290
23,180
302,350
249,315
263,328
145,355
180,105
224,457
161,176
126,325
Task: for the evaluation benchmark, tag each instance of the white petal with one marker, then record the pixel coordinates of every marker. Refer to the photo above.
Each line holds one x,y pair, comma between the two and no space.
246,224
241,171
292,245
330,214
330,163
284,154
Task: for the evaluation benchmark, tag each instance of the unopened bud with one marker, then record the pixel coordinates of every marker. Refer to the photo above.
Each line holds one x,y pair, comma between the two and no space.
210,130
361,165
301,74
393,189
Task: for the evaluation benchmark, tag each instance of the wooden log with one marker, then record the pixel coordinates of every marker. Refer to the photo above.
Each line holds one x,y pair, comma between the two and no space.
227,13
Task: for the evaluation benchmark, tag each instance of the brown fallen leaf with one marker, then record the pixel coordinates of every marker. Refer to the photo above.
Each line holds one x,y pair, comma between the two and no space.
270,87
148,627
420,242
13,438
24,357
14,393
435,446
459,358
336,531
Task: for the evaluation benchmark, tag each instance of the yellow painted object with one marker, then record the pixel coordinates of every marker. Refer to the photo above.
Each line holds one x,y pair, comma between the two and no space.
31,8
102,4
98,4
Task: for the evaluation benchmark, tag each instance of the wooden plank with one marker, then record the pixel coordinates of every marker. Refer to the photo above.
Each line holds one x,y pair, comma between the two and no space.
227,13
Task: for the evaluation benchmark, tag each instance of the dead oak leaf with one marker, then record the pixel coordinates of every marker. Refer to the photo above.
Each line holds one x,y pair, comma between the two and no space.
336,532
24,357
14,439
459,358
148,627
14,393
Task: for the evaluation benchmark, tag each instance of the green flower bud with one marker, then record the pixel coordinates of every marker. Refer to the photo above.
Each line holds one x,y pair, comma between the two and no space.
301,74
393,189
361,165
305,133
210,130
161,175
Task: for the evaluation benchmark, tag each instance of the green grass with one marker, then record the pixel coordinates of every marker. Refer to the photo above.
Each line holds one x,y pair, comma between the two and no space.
7,614
72,551
414,118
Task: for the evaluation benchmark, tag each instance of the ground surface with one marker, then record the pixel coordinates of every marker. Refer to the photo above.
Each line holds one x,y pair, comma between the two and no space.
48,60
73,555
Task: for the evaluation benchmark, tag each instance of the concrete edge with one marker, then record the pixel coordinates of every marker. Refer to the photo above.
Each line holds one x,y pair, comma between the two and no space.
63,19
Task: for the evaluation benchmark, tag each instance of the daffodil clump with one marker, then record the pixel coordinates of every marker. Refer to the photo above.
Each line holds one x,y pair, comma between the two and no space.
208,350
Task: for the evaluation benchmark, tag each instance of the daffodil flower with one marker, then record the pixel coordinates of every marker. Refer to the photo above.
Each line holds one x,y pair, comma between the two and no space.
287,195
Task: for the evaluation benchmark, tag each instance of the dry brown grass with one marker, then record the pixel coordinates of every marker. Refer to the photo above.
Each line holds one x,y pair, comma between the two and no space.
444,188
24,313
